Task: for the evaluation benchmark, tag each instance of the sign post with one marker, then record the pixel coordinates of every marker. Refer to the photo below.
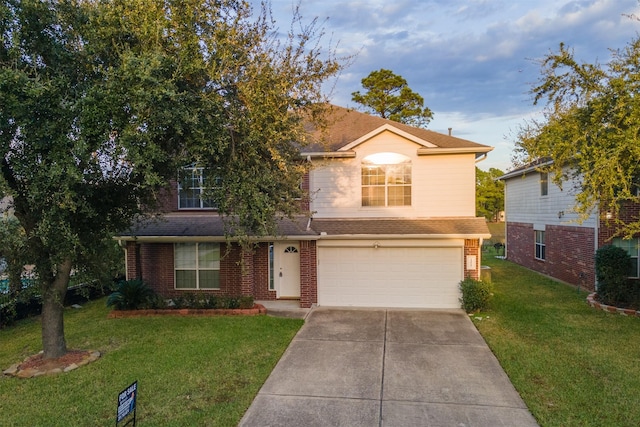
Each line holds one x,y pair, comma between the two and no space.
127,405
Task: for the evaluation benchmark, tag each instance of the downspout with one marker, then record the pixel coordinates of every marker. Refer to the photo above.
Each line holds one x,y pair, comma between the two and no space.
506,222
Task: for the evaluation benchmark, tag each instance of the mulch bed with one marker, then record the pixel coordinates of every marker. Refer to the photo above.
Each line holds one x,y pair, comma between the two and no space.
257,309
592,300
37,365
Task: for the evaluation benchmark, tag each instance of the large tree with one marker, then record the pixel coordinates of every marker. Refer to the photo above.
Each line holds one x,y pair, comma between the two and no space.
388,96
102,101
489,193
591,129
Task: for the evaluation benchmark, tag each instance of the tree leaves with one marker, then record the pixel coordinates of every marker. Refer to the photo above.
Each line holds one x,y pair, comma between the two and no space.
389,97
101,102
489,193
591,129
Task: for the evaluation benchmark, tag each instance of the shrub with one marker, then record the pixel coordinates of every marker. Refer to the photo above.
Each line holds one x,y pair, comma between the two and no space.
246,302
612,270
475,295
193,300
132,295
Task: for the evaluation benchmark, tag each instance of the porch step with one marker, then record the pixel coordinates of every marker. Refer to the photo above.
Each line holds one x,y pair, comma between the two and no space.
284,308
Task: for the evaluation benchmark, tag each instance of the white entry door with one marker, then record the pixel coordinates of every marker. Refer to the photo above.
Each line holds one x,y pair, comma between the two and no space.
287,269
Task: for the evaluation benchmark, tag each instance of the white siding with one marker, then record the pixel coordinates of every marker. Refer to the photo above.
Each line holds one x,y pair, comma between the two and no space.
524,203
442,185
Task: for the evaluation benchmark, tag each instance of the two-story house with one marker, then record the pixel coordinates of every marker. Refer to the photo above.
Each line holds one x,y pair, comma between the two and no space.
391,223
544,233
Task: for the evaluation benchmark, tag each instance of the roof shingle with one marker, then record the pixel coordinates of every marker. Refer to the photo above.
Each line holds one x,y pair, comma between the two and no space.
183,224
347,125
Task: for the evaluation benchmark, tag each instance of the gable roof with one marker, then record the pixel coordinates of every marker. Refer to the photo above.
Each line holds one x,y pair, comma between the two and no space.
347,128
534,166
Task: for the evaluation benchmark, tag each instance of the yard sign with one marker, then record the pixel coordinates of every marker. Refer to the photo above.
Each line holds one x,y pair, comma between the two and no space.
127,404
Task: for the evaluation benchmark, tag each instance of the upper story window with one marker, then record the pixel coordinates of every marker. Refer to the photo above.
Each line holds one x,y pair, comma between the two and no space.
544,183
190,189
386,180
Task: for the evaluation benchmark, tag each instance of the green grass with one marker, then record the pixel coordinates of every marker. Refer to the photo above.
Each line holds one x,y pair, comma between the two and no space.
573,365
191,371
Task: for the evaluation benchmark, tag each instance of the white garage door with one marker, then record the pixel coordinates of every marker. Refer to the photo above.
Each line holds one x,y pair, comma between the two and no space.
389,277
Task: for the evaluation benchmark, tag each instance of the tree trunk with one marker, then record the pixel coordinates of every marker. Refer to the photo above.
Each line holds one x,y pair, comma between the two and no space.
53,341
15,280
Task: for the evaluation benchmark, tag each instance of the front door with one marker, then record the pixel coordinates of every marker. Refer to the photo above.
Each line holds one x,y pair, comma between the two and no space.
287,271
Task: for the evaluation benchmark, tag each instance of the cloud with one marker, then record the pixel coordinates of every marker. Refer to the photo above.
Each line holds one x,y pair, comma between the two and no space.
473,61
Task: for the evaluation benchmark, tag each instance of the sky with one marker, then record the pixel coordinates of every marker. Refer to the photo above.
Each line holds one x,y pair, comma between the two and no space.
473,61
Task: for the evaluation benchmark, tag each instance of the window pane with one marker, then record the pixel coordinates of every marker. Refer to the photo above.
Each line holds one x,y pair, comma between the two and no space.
209,255
629,245
190,190
373,196
209,203
185,255
189,198
185,279
271,271
209,279
386,184
399,174
544,183
399,196
373,175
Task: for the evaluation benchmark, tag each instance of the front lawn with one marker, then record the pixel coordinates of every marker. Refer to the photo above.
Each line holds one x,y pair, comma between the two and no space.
573,365
191,371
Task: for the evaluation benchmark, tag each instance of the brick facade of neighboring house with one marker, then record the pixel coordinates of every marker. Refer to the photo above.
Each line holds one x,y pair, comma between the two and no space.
345,251
570,244
569,252
607,228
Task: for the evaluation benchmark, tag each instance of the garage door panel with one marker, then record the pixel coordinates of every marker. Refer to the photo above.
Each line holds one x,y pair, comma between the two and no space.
390,277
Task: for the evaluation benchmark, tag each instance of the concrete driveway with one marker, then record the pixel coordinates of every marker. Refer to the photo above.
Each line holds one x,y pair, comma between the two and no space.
387,367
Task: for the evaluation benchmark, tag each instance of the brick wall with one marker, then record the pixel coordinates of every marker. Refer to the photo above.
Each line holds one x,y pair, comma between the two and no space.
608,229
472,248
569,252
131,261
308,274
157,267
168,198
305,202
157,270
240,273
261,273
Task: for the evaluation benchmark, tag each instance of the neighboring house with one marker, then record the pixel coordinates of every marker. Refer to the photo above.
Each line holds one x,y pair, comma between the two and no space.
543,232
391,223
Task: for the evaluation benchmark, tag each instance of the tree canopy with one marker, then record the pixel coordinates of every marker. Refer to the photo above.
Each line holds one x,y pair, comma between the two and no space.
591,129
102,101
489,193
388,96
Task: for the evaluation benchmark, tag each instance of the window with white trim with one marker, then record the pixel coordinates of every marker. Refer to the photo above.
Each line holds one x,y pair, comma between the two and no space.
544,183
631,246
197,265
386,180
540,246
190,189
